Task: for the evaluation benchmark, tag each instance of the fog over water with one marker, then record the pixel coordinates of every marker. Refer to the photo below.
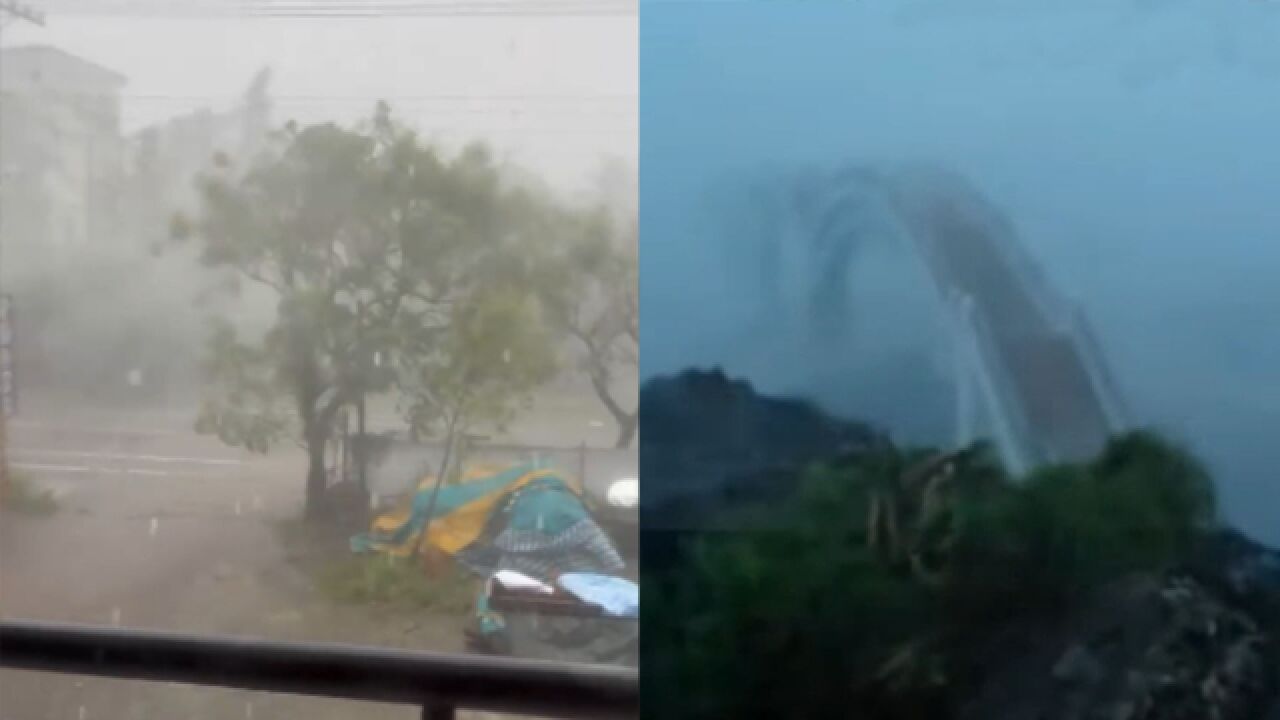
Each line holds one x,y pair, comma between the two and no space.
1131,144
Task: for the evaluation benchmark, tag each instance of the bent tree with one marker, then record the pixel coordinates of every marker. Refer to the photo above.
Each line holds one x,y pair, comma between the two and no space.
596,302
359,235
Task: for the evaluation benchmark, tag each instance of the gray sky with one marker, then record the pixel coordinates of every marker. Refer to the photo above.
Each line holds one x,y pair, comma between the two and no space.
553,93
1133,143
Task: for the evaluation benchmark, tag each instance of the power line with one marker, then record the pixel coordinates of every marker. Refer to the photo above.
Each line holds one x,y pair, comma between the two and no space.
424,120
430,116
431,97
598,99
460,98
448,106
342,8
513,114
507,106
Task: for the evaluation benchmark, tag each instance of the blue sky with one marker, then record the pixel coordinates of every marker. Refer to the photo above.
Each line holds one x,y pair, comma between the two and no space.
1134,145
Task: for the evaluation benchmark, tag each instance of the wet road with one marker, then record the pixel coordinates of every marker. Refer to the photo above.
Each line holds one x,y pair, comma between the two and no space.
160,528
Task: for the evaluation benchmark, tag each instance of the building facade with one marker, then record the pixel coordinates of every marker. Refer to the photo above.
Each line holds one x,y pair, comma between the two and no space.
167,157
61,148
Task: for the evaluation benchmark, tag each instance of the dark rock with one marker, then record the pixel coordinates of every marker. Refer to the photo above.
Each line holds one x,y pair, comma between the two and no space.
1077,665
711,441
1146,648
1244,572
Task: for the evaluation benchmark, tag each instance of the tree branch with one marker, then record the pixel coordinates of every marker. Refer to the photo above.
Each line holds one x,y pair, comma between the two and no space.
600,382
260,278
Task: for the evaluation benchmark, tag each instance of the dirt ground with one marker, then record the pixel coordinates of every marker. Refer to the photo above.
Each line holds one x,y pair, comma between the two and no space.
160,528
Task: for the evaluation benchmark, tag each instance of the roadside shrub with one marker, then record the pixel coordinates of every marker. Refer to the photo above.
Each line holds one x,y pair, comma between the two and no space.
397,583
25,497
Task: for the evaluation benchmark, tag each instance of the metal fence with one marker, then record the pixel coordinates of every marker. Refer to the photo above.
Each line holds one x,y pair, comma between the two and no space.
440,684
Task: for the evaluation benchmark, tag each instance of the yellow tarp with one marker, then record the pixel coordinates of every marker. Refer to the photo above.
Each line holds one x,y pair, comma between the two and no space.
456,524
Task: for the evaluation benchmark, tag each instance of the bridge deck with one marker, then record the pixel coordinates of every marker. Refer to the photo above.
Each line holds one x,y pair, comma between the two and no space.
1055,393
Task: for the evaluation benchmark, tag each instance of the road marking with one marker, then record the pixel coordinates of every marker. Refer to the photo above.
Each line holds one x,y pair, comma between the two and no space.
155,526
151,473
82,713
104,429
228,462
54,468
115,616
248,711
105,470
238,508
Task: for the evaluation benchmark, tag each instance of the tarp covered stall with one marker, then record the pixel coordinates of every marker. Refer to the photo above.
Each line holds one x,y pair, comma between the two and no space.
522,519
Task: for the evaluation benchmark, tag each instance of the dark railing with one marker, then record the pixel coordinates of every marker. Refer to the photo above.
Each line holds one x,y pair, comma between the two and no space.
438,683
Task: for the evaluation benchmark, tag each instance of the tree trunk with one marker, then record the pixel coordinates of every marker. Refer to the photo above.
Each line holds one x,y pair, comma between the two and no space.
316,480
626,431
450,439
626,420
316,421
362,456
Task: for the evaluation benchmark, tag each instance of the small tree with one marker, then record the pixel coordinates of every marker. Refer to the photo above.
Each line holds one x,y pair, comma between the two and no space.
597,304
290,224
362,236
481,369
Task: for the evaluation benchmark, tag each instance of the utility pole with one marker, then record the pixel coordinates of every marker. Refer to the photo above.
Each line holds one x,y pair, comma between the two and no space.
8,391
9,9
362,440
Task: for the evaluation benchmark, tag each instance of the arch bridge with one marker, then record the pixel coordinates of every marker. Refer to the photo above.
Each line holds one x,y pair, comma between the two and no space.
1024,353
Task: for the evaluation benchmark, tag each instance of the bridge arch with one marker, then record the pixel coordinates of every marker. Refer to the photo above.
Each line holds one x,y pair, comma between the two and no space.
1024,353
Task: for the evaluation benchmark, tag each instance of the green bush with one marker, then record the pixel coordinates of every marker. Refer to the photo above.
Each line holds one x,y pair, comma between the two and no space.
1065,529
764,625
802,620
397,583
26,498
